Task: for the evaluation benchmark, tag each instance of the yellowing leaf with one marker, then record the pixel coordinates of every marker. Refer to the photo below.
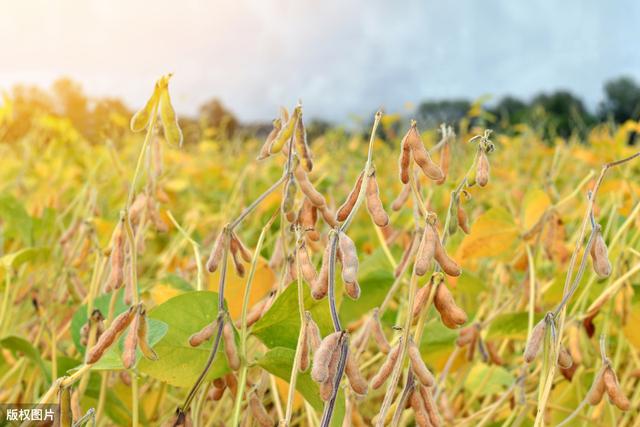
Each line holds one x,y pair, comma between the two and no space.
631,328
263,280
535,204
492,234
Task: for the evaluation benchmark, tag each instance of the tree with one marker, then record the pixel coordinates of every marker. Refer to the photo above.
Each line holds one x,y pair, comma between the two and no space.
432,113
562,113
622,100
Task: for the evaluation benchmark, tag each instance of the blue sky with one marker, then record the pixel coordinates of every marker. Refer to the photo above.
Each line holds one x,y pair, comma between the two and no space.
339,57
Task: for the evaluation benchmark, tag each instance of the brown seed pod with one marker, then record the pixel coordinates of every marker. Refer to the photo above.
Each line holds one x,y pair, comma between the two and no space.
216,253
288,200
357,382
352,289
302,148
232,383
230,348
313,333
240,247
259,412
306,267
430,406
418,366
534,345
616,396
564,358
254,314
265,151
421,155
131,341
216,393
378,333
467,336
420,413
327,387
402,198
235,257
421,300
307,218
463,222
594,396
494,356
320,287
405,158
426,251
137,207
323,356
116,276
143,342
105,341
574,343
349,258
347,206
482,169
451,315
599,256
303,363
328,216
387,366
314,196
277,257
204,334
374,204
447,264
70,232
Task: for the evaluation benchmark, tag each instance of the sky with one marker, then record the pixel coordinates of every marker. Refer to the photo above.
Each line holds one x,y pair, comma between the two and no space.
340,57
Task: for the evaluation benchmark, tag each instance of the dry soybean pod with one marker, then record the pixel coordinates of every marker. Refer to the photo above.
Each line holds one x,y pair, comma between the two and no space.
322,357
447,264
534,345
357,382
242,249
426,251
327,387
314,196
452,315
402,198
266,147
564,358
308,270
320,287
421,155
378,333
430,406
304,350
616,396
143,342
204,334
405,159
131,341
349,258
599,255
230,348
116,276
346,208
258,411
302,147
109,336
216,253
482,169
419,411
418,366
374,204
288,199
387,367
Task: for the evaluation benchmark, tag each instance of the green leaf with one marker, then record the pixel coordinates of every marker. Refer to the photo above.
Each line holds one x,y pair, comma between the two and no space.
486,380
280,325
511,325
375,278
437,335
17,258
178,363
279,362
17,222
20,345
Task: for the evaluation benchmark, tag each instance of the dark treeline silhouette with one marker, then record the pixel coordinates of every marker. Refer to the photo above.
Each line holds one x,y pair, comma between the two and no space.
559,113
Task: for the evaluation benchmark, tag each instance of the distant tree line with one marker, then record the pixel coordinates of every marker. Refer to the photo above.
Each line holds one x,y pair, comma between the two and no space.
556,114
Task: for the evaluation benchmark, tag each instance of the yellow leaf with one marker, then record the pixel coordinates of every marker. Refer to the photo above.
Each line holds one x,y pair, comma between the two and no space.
492,234
161,293
283,391
263,281
631,328
535,204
